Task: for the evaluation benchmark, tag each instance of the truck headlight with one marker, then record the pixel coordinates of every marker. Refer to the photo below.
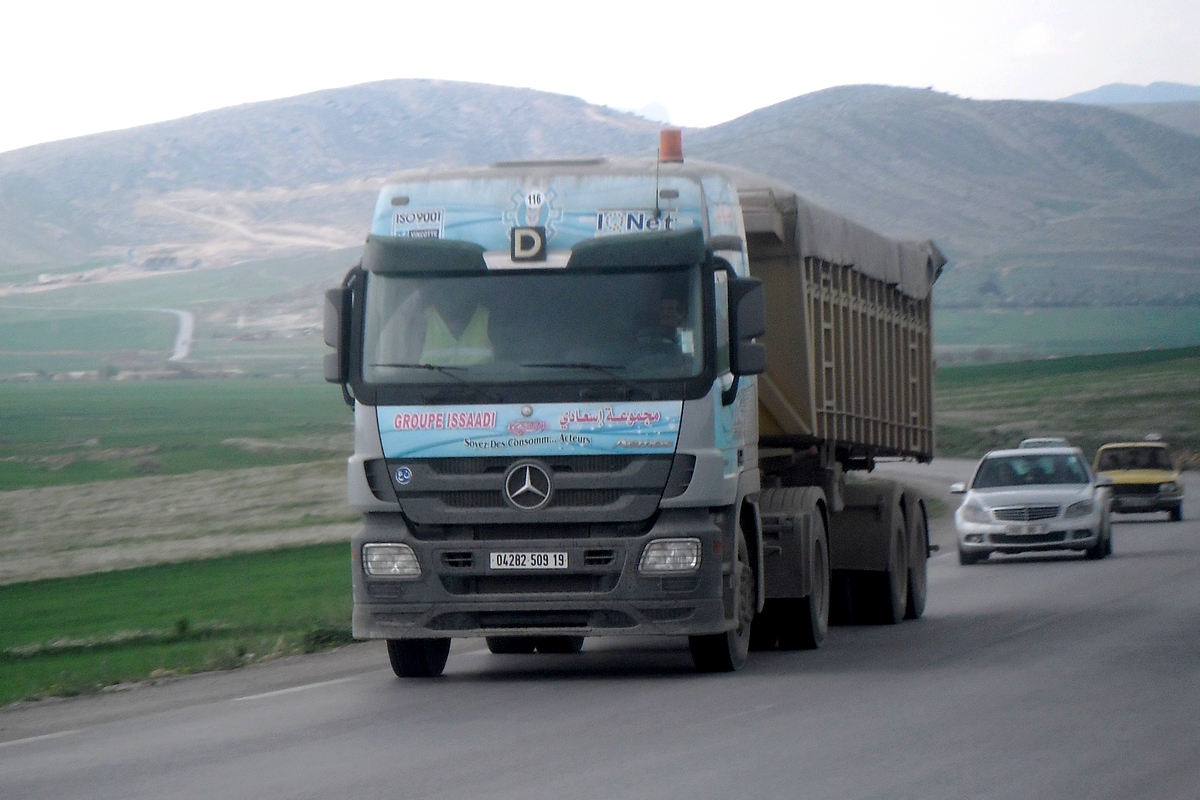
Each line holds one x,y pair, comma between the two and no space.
390,561
1080,509
974,511
671,555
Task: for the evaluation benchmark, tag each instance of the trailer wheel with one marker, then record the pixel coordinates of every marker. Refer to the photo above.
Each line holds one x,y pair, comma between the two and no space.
418,658
726,652
511,645
918,564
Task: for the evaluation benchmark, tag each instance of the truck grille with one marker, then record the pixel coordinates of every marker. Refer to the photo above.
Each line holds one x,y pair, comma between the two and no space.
471,491
1025,513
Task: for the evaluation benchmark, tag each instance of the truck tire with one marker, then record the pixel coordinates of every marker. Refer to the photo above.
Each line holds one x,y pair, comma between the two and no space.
418,658
891,598
511,645
803,623
726,651
918,563
559,644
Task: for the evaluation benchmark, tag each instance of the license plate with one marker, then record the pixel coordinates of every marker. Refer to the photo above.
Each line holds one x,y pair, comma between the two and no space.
1026,529
528,560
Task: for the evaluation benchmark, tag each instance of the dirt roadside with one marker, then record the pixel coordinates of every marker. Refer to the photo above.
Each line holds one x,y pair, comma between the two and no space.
94,527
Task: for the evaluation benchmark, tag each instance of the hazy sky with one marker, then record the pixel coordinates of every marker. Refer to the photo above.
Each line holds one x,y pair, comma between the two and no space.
71,68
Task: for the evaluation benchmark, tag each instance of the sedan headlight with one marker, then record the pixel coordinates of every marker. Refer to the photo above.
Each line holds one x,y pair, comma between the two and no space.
974,511
390,561
1080,509
1170,487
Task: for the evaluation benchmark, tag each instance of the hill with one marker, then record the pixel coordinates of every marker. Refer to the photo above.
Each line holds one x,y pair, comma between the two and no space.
1036,203
1130,93
1181,116
274,177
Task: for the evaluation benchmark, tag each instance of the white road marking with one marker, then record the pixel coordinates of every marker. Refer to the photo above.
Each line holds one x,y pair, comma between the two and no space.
293,689
41,738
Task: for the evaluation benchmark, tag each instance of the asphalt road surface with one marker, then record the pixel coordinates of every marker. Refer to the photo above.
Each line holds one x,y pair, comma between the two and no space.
1028,677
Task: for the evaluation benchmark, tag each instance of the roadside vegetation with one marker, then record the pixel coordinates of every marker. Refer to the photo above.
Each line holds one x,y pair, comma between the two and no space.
180,550
84,634
977,335
61,433
1089,400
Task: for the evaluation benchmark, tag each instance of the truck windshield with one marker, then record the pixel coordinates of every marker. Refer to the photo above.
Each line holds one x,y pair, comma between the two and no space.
512,327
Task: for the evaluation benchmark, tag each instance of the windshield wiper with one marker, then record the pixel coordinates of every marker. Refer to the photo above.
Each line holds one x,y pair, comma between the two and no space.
451,394
608,370
445,370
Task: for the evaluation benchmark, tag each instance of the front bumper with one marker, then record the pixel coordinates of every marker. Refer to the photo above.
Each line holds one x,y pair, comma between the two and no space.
1145,503
600,593
1078,534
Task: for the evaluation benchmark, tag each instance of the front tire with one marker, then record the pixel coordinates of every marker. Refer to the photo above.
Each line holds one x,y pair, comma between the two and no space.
726,651
1176,513
418,658
967,559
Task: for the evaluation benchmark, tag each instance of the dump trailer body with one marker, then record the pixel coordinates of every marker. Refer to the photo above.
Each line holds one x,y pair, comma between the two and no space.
849,336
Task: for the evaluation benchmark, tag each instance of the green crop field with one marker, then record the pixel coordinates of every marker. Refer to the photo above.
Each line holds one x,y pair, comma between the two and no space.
73,635
981,335
1088,399
54,433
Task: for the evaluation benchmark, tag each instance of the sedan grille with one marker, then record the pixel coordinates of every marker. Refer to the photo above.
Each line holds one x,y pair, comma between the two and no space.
1025,513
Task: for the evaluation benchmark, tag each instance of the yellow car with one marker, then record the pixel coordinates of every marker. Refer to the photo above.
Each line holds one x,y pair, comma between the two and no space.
1144,477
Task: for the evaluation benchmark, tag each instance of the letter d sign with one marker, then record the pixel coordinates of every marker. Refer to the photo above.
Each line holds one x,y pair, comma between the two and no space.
529,243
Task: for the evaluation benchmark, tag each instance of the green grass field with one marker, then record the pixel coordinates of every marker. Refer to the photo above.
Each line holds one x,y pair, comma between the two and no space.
55,433
72,635
983,335
1088,399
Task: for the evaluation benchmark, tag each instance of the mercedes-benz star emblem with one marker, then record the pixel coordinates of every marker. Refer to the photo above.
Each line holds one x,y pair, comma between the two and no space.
527,486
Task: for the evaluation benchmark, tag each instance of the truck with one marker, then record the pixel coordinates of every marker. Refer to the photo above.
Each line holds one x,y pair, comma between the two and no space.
626,397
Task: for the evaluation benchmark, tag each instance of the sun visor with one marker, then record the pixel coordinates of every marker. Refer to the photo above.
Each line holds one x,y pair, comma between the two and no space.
405,255
633,250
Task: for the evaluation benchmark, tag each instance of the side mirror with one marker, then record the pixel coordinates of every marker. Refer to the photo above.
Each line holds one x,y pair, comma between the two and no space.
337,322
958,488
747,319
1104,480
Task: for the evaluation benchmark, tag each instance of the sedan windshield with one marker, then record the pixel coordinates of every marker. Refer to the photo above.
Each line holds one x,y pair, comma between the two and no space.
505,327
1113,458
1030,470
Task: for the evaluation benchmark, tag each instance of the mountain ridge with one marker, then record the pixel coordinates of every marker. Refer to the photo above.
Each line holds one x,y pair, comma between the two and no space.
1036,202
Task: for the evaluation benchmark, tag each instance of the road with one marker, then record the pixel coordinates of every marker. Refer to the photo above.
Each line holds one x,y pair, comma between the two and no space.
183,338
1029,677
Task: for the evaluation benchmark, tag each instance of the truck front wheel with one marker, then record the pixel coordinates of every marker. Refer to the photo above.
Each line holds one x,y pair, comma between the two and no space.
726,652
418,658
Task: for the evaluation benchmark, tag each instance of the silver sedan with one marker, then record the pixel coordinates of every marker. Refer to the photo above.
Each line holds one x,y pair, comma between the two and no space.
1033,500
